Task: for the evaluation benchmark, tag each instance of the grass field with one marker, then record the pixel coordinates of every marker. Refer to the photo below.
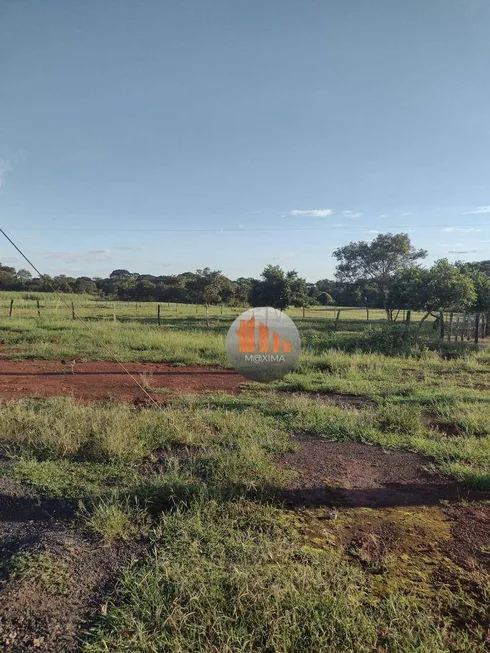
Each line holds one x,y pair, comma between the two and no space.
181,528
91,307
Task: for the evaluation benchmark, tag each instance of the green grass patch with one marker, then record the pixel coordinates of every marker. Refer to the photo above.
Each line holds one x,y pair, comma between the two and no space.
225,577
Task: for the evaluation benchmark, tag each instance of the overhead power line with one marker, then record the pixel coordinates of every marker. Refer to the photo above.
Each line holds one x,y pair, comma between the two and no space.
258,229
102,345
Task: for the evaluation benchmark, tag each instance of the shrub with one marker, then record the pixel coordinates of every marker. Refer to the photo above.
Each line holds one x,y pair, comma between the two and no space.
391,340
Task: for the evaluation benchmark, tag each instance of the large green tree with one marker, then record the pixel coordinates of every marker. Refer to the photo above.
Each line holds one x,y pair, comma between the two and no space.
442,287
24,276
8,280
377,262
300,292
272,289
210,287
479,273
85,285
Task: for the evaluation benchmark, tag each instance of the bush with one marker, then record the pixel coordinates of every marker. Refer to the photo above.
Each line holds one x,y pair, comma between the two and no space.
454,350
391,340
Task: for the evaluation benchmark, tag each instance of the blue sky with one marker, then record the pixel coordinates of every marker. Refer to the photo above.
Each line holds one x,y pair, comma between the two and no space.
233,134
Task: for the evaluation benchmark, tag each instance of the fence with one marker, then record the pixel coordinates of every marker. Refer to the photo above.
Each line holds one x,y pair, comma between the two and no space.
71,308
463,326
450,325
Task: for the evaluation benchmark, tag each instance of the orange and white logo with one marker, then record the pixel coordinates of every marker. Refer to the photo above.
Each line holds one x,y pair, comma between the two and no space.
248,341
263,344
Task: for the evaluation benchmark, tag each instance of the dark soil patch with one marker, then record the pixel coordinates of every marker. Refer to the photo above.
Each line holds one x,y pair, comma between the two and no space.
20,503
94,381
356,475
25,519
470,527
36,615
448,428
36,612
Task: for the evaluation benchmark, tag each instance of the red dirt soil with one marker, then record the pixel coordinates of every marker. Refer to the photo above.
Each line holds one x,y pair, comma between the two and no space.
353,474
94,381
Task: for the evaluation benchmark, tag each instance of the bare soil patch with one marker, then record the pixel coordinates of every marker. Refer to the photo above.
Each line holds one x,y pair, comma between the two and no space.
94,381
403,524
41,616
470,527
359,475
49,613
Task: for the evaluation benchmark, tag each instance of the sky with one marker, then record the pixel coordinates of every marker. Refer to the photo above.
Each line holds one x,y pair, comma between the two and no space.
166,136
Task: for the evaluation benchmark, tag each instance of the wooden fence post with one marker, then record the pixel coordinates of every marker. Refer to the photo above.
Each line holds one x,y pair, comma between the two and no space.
11,307
114,314
367,313
337,320
303,311
72,311
158,314
408,318
207,315
477,328
457,327
450,330
441,325
38,308
487,326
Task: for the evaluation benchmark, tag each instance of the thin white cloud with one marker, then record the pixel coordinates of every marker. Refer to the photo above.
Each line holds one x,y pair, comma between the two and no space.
99,252
478,209
459,251
465,230
373,231
351,214
311,213
407,214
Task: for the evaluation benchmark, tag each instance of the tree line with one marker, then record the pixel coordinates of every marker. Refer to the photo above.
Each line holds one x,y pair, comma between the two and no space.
384,273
